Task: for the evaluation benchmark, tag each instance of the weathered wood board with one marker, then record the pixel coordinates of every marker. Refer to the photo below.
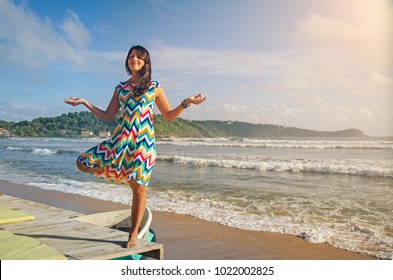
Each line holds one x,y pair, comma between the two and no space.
59,229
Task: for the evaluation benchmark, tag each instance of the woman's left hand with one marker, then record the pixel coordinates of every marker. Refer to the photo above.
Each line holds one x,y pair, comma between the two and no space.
197,99
74,101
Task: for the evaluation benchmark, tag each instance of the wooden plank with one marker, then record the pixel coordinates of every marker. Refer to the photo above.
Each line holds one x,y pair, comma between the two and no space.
111,252
155,254
58,229
8,215
106,219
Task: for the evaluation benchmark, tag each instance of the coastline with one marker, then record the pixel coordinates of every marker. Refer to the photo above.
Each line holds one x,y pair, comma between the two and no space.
188,238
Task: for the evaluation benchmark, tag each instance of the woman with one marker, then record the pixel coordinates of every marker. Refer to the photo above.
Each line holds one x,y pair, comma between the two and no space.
129,156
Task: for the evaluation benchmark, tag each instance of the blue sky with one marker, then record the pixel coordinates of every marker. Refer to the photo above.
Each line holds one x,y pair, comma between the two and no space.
314,64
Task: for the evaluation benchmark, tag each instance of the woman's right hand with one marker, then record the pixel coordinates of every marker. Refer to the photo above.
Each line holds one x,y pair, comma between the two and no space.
74,101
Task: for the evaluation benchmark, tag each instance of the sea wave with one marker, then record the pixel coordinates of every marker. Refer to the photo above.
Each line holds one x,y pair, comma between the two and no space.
13,149
299,220
94,189
278,143
331,166
40,151
82,140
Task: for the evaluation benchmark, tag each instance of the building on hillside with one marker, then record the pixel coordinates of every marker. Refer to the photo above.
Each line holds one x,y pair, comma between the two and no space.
5,132
104,134
87,133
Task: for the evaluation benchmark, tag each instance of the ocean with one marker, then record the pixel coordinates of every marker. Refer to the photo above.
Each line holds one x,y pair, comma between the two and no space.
337,191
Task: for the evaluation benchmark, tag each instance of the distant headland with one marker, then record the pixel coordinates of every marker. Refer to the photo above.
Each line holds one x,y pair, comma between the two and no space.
85,124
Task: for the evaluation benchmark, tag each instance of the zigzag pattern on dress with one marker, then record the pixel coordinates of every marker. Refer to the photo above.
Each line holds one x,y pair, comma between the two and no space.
131,152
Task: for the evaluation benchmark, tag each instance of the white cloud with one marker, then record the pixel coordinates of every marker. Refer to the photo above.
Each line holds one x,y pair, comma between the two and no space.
363,34
328,31
381,80
34,42
16,111
103,28
75,31
30,41
313,113
336,75
191,61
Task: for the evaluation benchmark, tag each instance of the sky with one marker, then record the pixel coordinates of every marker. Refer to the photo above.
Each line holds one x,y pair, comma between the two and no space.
312,64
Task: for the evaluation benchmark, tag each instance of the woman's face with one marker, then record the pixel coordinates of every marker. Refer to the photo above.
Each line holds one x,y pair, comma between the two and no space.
135,63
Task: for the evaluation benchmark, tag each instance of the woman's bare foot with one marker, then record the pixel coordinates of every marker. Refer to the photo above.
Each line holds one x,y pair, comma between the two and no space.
132,242
84,168
96,169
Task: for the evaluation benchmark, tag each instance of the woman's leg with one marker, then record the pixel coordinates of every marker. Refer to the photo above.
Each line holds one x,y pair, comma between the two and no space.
84,168
138,210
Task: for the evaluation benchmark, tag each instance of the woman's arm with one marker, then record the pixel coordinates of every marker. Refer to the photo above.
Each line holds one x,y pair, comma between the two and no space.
106,115
165,108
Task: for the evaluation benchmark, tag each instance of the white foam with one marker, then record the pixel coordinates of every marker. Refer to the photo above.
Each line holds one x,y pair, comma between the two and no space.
103,191
278,143
13,149
45,152
300,222
332,166
316,235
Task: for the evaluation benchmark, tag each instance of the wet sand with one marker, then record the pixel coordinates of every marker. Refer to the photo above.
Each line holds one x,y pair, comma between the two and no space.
188,238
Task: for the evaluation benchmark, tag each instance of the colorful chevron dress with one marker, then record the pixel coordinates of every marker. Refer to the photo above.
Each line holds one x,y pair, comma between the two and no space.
131,152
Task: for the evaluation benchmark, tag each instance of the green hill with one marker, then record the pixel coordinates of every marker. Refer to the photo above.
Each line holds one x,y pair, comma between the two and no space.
71,125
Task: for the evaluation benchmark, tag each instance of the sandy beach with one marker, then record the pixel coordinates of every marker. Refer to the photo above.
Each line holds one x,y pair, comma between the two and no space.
188,238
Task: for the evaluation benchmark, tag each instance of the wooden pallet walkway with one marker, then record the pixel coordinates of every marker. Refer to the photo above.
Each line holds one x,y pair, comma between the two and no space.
58,229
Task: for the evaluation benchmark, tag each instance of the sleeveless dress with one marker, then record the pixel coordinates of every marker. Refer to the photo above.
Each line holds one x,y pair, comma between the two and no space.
131,152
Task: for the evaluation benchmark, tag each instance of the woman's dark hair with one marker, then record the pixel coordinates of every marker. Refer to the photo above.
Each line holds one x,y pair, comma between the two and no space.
144,80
